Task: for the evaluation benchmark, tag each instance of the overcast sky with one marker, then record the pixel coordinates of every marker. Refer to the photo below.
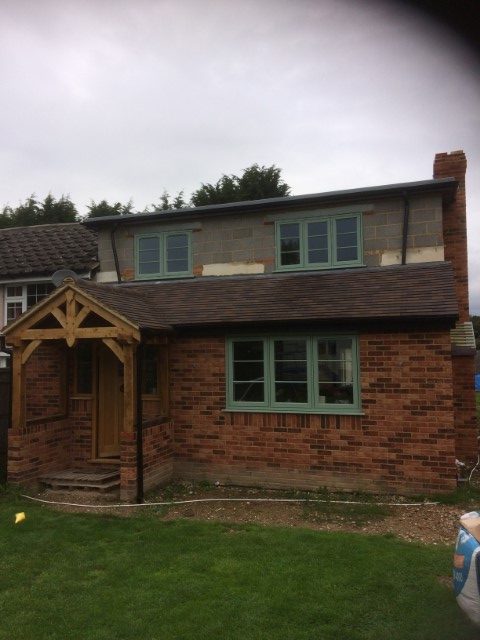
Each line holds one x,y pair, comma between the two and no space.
120,99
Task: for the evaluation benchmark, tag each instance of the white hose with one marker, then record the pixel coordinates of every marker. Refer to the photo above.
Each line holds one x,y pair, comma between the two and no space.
197,500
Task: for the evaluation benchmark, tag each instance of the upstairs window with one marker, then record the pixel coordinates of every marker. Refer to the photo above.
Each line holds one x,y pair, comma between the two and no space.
163,255
321,243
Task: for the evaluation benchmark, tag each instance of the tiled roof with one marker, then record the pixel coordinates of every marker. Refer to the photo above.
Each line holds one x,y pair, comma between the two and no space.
43,249
414,291
131,304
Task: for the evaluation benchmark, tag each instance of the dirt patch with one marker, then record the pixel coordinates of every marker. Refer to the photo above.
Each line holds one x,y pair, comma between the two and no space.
428,524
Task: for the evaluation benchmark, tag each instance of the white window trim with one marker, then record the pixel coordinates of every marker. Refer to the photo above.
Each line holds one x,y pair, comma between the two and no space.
22,298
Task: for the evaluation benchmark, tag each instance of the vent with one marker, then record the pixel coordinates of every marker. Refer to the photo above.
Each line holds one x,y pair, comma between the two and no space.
463,335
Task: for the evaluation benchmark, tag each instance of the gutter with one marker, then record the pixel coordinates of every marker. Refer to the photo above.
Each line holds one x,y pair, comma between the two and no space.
114,251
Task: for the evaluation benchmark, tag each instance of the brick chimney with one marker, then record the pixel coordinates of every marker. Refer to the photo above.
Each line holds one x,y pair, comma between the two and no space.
454,165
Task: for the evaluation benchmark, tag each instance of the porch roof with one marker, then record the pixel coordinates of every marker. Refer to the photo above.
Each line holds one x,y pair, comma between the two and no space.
413,291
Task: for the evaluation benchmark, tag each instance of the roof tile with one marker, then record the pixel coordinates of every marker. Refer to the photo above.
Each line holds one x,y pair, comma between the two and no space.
43,249
397,292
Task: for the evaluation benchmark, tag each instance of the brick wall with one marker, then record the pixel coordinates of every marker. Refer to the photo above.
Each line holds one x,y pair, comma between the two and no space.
454,165
80,421
466,427
38,449
45,374
44,443
157,459
403,442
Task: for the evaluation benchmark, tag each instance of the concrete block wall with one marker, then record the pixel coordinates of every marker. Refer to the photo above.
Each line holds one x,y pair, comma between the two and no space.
248,241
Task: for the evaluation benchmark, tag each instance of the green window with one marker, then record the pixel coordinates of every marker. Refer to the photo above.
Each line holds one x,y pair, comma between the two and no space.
312,244
162,255
317,374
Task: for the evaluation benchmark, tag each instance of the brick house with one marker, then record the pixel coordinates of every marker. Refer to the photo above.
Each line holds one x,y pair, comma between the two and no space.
306,341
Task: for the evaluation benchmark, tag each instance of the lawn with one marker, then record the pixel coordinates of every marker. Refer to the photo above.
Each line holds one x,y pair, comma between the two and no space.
69,576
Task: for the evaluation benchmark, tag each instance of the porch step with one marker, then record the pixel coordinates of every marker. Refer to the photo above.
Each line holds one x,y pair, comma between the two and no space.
102,480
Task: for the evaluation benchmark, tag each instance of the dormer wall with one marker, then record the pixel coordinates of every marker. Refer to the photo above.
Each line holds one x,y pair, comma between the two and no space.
247,243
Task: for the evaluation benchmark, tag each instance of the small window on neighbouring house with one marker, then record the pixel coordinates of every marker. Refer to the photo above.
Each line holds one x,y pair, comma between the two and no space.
19,298
36,292
83,368
14,309
315,244
163,255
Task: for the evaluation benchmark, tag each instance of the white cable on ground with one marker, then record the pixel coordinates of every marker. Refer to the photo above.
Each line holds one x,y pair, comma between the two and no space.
197,500
473,470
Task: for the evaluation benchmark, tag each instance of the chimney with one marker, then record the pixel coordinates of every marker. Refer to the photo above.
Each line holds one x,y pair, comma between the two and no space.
454,165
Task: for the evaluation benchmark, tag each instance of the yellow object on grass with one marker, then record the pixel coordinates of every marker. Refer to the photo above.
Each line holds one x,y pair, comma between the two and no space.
19,517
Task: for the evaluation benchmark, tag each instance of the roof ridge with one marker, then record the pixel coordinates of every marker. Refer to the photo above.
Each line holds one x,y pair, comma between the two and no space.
42,226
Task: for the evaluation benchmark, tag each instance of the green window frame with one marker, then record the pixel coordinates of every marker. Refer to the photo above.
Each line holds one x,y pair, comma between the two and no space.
293,374
327,242
163,255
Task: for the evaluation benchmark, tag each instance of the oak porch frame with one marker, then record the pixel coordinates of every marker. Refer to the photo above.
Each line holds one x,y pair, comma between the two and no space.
70,306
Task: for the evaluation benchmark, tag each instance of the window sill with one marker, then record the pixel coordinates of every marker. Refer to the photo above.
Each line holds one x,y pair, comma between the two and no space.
296,268
318,412
156,277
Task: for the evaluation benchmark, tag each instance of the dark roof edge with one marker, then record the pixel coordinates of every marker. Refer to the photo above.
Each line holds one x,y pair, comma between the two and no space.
441,185
445,319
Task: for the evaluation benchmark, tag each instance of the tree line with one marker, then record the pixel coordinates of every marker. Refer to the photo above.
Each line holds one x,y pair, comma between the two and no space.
255,183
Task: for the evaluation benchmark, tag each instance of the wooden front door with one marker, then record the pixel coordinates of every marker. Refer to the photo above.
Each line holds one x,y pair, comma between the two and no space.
110,403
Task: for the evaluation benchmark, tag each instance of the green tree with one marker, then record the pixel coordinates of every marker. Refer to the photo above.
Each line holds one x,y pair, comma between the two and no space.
103,208
255,183
33,212
167,204
52,211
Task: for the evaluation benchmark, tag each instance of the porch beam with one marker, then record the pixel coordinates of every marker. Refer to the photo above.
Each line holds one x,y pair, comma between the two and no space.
70,318
82,332
81,315
29,349
60,316
115,347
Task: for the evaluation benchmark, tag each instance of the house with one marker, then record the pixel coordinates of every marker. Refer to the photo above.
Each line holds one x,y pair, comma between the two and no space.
306,341
30,255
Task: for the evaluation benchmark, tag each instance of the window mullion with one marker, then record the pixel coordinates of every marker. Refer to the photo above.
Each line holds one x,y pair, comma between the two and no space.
162,247
311,342
304,244
269,369
332,242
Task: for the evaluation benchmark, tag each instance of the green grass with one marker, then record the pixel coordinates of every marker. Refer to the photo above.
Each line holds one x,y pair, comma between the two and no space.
65,576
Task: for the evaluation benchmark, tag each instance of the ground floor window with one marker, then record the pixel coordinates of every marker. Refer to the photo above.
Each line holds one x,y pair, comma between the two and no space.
311,373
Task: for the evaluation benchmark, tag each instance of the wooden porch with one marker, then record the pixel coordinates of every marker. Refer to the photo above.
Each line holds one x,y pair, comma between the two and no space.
92,438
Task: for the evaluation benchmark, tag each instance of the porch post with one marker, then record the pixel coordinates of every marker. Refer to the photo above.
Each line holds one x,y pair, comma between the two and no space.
128,388
18,388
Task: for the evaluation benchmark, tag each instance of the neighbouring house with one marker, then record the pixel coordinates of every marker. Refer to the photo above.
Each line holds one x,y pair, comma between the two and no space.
306,341
30,255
